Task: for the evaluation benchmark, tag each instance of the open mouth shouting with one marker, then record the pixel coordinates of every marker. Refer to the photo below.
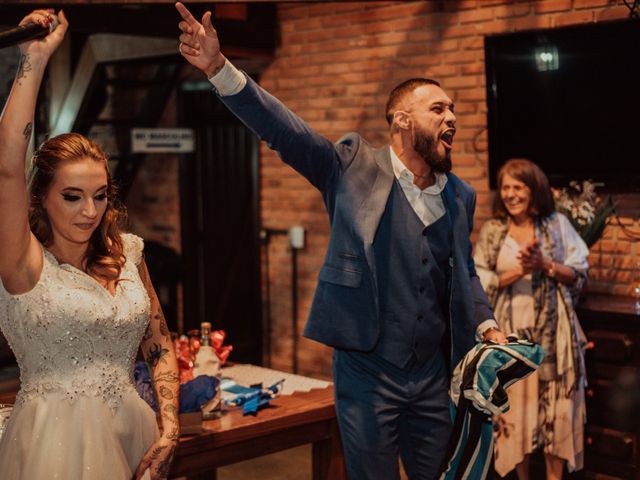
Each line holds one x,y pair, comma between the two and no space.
447,138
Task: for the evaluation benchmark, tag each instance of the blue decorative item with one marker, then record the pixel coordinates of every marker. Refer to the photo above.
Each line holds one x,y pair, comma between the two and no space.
193,394
197,392
144,387
251,399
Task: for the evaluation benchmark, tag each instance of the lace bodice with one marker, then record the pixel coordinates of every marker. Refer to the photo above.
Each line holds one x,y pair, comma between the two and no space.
72,336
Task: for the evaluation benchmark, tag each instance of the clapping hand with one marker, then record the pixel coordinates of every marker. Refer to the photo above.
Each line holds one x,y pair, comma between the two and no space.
531,258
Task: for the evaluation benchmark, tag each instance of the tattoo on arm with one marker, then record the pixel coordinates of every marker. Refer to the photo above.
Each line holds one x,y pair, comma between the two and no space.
171,408
164,329
168,377
166,392
173,434
23,68
164,465
156,355
27,131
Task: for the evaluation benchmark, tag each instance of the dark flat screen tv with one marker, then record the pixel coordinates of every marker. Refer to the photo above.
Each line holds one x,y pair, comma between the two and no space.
568,99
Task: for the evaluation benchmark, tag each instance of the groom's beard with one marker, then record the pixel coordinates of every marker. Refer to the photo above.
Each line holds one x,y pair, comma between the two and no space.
426,146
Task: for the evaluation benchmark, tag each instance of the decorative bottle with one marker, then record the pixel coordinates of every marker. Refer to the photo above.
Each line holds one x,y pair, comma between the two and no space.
206,361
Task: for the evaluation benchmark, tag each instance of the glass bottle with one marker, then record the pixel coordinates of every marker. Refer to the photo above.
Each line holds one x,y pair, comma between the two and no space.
206,361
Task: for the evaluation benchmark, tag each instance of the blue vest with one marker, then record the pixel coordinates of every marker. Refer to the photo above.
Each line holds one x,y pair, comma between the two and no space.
412,263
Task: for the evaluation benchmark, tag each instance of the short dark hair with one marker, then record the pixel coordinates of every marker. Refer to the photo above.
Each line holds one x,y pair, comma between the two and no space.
400,91
527,172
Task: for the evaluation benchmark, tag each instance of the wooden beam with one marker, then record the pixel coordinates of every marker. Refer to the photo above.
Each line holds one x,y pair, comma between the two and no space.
146,2
104,48
258,31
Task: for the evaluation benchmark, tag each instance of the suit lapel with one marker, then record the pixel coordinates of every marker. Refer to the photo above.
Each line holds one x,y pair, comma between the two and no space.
371,210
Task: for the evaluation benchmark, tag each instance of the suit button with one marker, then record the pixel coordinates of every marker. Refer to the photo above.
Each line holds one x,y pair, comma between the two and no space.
422,290
424,232
425,260
420,318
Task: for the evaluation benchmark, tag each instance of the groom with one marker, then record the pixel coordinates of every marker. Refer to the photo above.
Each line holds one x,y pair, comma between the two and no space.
398,297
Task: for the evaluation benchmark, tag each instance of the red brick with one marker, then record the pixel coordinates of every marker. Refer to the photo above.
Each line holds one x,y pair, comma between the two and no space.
304,24
592,3
466,107
550,6
461,82
443,46
403,24
573,18
441,71
333,9
471,94
463,57
296,12
463,160
531,23
472,69
459,31
510,11
466,172
402,10
462,5
378,27
476,15
612,13
496,2
472,43
497,26
609,246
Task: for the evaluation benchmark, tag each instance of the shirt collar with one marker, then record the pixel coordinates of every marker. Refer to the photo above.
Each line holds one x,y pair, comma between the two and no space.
403,173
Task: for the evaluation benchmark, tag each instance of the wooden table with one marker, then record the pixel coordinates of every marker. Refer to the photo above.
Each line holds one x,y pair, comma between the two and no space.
289,421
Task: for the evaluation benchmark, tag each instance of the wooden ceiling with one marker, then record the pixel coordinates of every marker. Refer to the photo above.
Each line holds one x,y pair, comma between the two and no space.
240,25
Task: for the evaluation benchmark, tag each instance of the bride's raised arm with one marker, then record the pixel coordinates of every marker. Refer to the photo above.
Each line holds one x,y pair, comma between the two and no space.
20,256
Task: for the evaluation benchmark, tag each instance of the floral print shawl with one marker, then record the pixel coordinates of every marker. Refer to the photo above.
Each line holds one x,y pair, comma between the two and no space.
556,326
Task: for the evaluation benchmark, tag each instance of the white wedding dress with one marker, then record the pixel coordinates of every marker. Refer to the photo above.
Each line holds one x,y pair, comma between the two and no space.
77,415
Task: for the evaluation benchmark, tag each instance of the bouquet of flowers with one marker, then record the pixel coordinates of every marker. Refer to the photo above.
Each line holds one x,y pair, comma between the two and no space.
586,211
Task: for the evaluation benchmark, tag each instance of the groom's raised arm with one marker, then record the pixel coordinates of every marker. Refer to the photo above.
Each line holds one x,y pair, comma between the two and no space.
314,156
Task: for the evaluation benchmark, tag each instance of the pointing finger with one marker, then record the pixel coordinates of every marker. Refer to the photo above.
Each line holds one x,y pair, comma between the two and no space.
186,14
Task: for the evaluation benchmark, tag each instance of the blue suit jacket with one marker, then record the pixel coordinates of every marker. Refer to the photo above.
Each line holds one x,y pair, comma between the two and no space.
355,180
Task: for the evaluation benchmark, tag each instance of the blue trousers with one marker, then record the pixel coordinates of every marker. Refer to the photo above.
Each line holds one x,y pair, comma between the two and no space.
386,412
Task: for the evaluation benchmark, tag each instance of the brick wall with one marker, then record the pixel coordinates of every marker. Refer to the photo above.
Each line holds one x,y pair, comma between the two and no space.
335,66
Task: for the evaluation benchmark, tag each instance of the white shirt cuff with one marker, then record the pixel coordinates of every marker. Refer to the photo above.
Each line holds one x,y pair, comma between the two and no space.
484,326
228,81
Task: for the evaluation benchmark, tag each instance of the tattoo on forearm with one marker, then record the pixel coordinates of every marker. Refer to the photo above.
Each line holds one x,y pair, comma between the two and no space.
168,377
156,452
27,131
164,330
164,465
23,68
156,355
166,392
173,434
171,408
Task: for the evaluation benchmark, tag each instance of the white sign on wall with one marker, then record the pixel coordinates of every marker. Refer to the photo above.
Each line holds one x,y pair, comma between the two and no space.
162,140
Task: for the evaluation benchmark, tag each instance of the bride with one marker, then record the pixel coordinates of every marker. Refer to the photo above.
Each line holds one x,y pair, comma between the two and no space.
76,302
